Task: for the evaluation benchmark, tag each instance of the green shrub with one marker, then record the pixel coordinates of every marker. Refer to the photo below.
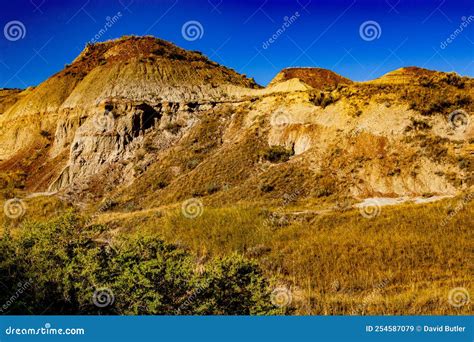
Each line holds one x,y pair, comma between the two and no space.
192,163
323,99
277,154
464,163
173,127
419,125
212,188
162,184
324,192
454,80
151,277
69,269
45,134
267,188
427,82
148,146
436,107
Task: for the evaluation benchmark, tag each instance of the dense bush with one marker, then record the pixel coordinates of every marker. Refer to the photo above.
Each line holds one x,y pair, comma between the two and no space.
429,105
233,285
67,269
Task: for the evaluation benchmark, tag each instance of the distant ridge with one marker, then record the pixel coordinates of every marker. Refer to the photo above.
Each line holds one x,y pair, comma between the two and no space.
314,77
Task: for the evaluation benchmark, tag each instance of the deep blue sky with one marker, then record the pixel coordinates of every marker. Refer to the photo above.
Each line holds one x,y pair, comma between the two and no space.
326,34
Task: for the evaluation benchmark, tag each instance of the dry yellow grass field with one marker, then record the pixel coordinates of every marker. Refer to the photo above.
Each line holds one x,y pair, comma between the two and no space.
404,261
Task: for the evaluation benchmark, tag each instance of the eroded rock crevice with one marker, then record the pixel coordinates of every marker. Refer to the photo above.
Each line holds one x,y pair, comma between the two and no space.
112,134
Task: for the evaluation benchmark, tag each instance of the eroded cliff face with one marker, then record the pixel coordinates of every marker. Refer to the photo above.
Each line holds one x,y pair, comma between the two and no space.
133,69
113,133
141,120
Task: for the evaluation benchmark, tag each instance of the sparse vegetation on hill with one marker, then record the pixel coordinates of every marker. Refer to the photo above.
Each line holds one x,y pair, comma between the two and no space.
277,154
315,77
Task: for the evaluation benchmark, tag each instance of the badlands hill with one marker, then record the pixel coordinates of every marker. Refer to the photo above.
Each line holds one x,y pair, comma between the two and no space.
142,136
147,122
315,77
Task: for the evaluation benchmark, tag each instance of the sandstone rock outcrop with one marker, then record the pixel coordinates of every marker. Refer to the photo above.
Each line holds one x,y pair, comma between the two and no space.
145,121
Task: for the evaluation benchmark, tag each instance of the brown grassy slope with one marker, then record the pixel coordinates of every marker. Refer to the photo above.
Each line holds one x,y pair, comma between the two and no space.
221,157
404,261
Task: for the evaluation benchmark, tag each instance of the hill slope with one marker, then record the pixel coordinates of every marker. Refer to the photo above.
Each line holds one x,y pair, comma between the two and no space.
144,114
